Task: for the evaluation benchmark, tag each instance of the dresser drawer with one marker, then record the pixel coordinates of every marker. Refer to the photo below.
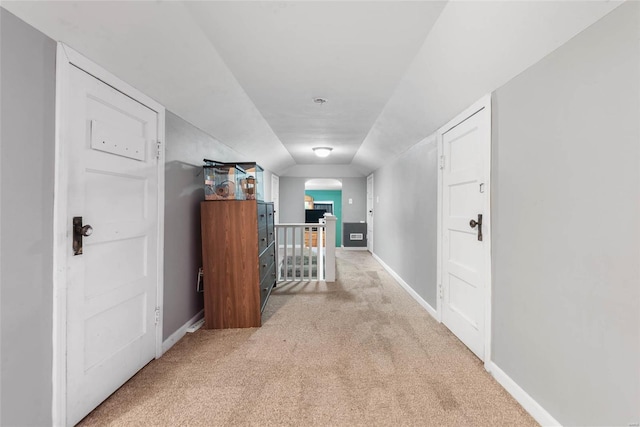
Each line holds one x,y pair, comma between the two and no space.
270,219
262,215
266,285
266,259
263,240
270,236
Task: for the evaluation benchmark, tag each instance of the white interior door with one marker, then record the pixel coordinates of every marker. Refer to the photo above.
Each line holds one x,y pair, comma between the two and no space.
275,197
112,177
370,213
465,276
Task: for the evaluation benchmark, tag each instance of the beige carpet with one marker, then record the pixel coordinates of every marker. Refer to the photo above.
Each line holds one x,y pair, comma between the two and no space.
359,351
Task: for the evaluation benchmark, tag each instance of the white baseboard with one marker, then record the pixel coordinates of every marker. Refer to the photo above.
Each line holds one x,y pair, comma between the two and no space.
199,324
538,413
528,403
354,248
408,288
175,337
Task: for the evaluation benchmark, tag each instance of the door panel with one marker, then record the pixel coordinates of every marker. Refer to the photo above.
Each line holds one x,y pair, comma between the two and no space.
462,299
112,286
110,331
127,265
463,198
464,147
464,252
464,256
103,188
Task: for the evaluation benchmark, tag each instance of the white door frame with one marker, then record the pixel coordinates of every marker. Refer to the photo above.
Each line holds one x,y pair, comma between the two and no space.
483,103
275,189
66,58
373,204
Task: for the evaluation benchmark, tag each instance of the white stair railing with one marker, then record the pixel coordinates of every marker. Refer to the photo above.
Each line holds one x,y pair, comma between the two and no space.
306,252
330,255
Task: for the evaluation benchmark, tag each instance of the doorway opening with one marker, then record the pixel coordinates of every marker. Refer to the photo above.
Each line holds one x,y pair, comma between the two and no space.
324,195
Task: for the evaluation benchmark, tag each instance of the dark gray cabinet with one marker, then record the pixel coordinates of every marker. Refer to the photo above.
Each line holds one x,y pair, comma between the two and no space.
266,250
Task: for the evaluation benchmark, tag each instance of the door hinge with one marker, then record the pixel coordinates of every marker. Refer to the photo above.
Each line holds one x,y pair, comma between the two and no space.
159,147
157,315
440,290
441,162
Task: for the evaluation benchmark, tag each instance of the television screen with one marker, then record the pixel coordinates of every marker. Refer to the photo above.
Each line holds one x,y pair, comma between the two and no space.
312,216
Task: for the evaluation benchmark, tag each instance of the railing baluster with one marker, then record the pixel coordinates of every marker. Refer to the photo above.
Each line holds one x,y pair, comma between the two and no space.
304,267
303,249
295,256
310,254
330,248
295,247
320,268
294,260
299,267
285,259
310,258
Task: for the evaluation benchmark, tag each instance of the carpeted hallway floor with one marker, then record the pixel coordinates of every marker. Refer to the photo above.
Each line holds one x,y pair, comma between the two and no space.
359,351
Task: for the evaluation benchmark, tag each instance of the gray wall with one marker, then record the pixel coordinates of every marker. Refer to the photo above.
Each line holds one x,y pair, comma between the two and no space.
405,218
186,147
566,246
291,199
267,185
27,112
565,211
356,190
566,291
26,220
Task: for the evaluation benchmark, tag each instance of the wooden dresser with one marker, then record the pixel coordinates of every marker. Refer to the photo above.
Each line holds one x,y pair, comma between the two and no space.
238,253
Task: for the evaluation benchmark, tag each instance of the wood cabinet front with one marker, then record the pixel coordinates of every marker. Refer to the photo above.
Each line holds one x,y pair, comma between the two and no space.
235,245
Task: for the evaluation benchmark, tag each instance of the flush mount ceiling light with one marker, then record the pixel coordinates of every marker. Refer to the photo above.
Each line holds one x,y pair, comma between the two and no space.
322,151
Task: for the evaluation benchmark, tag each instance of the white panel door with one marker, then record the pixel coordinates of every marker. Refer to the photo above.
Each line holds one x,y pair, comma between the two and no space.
111,286
370,213
464,184
275,197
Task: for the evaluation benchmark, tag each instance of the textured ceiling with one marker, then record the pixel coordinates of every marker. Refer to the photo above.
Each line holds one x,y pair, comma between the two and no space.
247,72
284,55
